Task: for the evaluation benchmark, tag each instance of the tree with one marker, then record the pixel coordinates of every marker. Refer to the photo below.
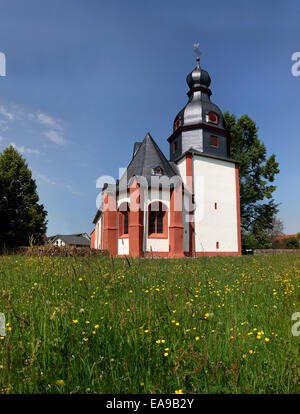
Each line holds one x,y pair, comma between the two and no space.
292,243
257,173
277,228
21,217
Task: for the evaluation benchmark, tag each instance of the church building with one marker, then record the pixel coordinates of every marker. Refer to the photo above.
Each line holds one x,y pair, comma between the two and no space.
188,205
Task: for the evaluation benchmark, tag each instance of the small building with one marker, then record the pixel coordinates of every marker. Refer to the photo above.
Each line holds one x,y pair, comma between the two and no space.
78,240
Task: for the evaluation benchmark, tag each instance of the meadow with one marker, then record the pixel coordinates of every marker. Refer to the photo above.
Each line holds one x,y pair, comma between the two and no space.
98,325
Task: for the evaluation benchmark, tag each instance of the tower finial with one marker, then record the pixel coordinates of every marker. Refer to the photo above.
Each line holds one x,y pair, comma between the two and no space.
198,53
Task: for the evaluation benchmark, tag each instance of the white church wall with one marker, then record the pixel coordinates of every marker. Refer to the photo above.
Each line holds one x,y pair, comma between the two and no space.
123,246
215,182
182,168
98,233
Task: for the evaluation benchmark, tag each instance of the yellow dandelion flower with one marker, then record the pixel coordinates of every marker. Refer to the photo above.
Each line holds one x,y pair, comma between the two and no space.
85,339
267,339
94,332
244,355
60,382
142,384
158,341
75,321
178,392
177,324
163,341
197,338
96,326
250,351
166,354
146,330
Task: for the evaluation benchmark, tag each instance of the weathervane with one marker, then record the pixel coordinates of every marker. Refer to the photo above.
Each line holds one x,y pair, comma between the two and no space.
197,51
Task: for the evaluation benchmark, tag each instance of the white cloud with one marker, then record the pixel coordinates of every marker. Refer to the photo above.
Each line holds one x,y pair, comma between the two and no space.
4,112
78,193
44,178
24,150
46,120
65,186
54,136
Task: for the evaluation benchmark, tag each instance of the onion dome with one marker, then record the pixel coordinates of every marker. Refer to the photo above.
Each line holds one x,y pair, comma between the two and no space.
198,77
199,108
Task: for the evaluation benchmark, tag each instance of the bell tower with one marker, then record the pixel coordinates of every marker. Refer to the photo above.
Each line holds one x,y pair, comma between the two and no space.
200,124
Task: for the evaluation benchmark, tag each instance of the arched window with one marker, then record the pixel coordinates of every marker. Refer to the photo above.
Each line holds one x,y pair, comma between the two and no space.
123,217
157,171
212,117
157,220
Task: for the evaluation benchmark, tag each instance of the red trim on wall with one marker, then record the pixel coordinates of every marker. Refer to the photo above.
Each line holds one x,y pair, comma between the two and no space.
136,221
189,183
176,226
92,245
200,254
157,254
110,224
238,209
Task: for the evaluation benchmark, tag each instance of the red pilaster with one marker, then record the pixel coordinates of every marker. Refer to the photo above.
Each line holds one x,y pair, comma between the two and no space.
136,221
189,183
110,224
92,239
176,227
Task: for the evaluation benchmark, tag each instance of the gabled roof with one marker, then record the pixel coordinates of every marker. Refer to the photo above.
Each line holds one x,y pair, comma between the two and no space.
147,157
70,239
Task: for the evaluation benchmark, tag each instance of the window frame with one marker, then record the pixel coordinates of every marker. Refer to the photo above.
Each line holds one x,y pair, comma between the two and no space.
212,137
210,120
162,208
122,213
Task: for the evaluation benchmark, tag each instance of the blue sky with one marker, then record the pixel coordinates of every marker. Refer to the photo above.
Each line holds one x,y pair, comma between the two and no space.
87,78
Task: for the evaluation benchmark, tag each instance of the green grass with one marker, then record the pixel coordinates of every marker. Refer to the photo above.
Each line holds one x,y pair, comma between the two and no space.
208,311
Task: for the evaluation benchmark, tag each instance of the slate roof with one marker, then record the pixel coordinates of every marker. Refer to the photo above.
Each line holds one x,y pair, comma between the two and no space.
71,239
199,104
147,156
